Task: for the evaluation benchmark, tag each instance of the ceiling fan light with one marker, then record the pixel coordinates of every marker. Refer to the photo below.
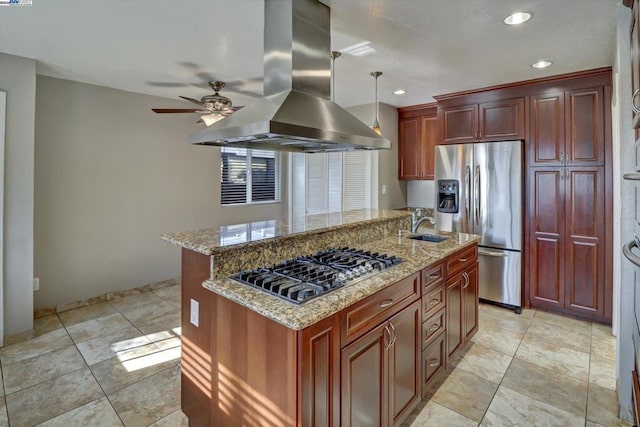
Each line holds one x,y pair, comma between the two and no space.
210,119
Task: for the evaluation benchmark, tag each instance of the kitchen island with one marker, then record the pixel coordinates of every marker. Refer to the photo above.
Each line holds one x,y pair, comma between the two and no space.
359,355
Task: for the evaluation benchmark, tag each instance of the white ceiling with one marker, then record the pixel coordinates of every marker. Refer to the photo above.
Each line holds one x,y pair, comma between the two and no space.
428,47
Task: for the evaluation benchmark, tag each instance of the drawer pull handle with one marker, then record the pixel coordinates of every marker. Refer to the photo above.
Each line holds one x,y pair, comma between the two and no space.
433,301
466,280
433,328
433,276
463,259
434,363
386,303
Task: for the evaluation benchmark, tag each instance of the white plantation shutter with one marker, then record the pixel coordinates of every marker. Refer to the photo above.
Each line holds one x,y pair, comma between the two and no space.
317,187
356,189
334,172
330,182
249,176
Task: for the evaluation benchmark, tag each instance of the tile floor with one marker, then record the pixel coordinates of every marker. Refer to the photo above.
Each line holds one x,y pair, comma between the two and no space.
535,369
118,363
109,364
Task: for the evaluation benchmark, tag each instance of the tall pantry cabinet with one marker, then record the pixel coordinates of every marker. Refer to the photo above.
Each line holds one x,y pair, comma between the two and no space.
568,201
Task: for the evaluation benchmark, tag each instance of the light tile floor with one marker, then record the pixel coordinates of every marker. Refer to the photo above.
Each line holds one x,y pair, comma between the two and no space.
118,363
533,369
109,364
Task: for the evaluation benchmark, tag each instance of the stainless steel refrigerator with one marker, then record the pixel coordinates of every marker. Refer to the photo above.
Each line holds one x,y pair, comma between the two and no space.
479,191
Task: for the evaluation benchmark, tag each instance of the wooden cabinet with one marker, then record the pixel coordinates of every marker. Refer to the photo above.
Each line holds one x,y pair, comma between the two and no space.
418,134
567,128
462,299
319,361
566,251
489,121
365,380
567,201
381,372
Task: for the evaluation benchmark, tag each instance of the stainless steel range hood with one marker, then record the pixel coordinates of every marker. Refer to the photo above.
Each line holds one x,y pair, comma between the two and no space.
296,113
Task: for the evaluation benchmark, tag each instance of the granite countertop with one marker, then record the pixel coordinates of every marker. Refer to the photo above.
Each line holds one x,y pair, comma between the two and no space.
210,241
416,254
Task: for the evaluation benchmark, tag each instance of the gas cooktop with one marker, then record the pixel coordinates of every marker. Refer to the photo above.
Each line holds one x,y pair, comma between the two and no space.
304,278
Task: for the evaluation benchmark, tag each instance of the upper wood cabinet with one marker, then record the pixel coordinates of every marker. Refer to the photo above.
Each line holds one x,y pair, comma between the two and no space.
567,128
418,134
489,121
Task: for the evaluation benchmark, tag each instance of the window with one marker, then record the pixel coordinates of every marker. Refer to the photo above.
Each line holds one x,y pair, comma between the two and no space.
249,176
332,182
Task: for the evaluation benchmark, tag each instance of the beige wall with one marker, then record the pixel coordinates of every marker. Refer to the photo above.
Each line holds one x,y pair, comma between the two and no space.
110,177
396,195
18,80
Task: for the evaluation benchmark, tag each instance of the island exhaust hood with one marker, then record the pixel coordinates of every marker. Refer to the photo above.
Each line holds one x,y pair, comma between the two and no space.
295,113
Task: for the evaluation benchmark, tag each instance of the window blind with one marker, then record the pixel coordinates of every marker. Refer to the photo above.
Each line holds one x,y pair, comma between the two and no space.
249,176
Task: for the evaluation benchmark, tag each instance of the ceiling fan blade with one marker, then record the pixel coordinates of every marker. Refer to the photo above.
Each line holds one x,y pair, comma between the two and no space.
195,101
177,110
168,84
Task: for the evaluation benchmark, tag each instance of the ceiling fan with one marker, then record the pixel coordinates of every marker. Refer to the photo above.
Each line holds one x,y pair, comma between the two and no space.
212,107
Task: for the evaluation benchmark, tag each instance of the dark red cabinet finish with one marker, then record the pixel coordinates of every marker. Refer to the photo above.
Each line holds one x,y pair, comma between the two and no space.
489,121
418,134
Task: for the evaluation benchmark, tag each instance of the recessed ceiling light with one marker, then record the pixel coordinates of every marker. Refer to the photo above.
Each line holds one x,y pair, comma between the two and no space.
517,18
542,64
399,92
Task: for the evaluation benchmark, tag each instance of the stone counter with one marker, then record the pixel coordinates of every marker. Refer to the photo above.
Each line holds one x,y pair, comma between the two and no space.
416,255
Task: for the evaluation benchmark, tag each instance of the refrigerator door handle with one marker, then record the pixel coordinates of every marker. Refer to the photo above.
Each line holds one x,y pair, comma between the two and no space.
477,194
467,189
494,254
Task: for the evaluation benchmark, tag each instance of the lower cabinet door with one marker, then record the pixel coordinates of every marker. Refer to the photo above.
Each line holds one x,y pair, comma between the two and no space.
404,361
364,383
470,302
455,337
433,361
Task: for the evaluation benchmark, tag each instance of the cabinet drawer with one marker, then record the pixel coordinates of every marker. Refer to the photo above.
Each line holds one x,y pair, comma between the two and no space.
433,361
433,300
461,260
366,314
431,276
432,327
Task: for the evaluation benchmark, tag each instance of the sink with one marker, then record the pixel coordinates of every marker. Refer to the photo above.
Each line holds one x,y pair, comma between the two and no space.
428,238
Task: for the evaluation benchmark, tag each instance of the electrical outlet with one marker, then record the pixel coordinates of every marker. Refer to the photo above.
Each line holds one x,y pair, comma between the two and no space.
36,284
195,313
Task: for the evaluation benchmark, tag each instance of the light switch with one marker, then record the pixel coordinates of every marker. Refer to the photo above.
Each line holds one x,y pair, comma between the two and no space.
195,313
384,188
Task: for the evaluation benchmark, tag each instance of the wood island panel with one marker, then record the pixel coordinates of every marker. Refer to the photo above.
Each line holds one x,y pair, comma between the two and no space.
254,368
196,350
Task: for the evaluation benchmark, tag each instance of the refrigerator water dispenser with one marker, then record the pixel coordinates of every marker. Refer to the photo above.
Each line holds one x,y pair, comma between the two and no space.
448,194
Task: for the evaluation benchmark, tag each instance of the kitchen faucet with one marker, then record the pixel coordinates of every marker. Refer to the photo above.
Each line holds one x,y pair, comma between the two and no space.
417,220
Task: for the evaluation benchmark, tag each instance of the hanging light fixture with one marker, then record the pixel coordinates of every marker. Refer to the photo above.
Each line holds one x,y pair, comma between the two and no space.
334,55
376,124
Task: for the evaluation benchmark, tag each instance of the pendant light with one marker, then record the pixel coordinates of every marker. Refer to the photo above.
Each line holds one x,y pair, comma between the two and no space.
334,55
376,124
